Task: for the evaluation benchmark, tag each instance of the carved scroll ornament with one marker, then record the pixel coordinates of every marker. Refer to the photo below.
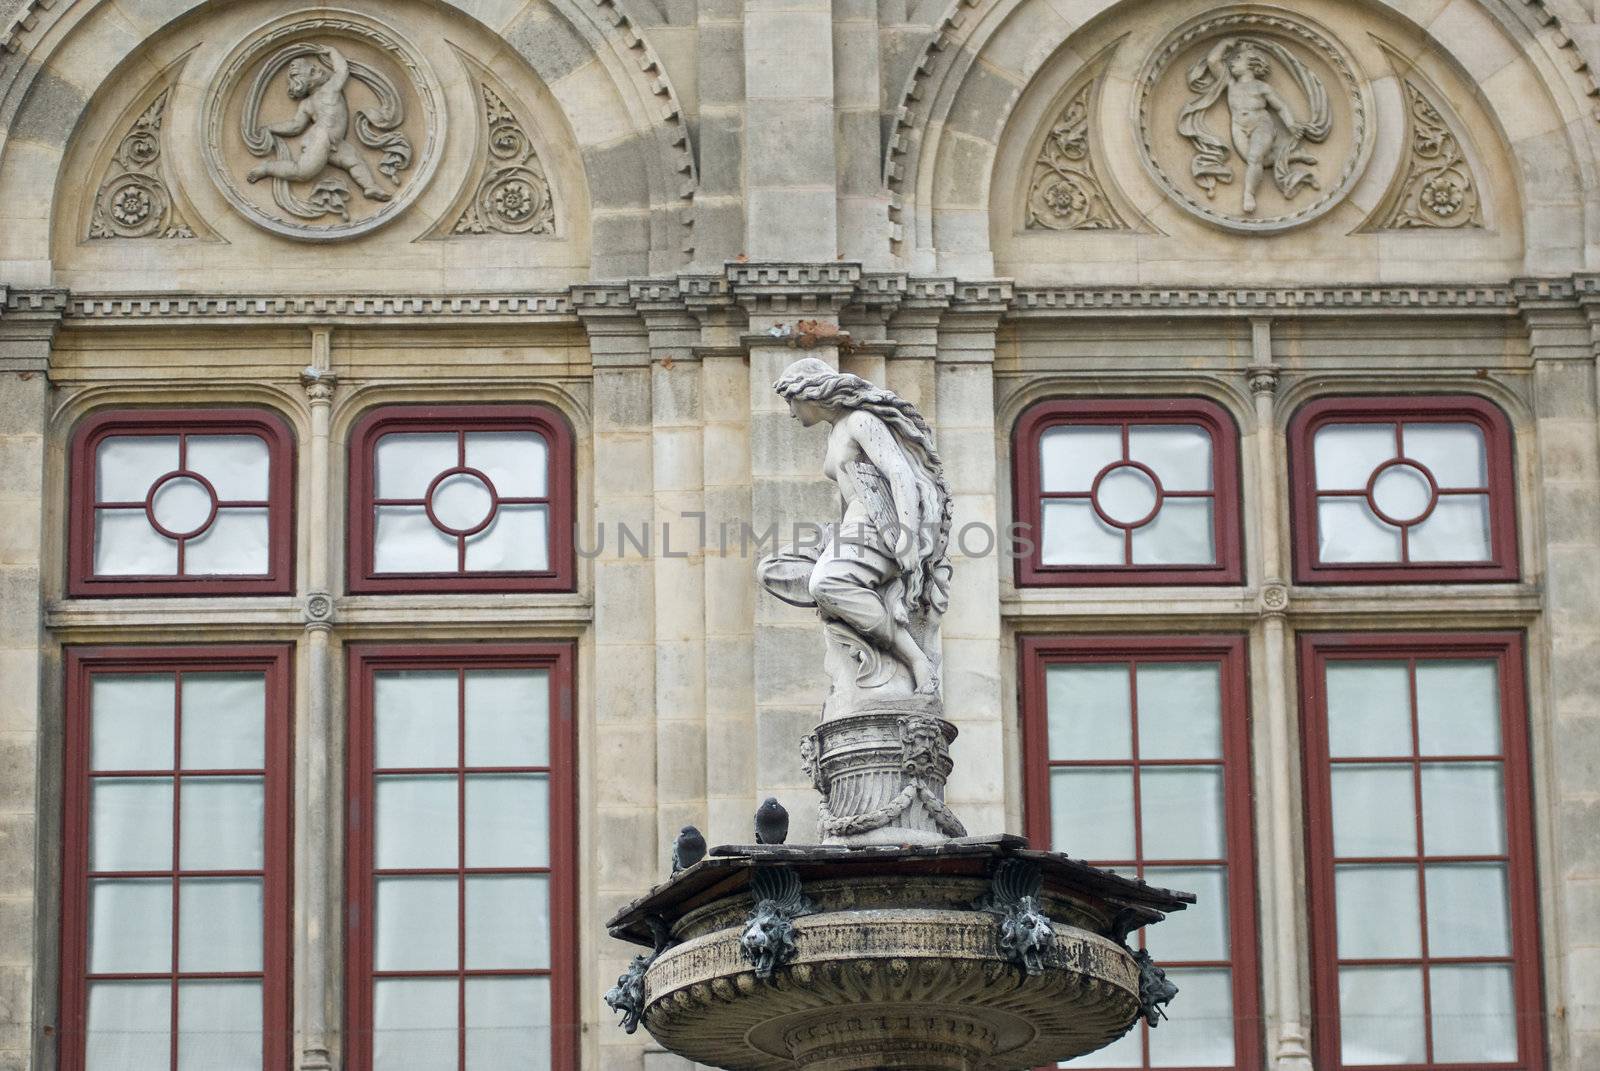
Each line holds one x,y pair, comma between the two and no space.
513,195
134,200
1066,193
1438,190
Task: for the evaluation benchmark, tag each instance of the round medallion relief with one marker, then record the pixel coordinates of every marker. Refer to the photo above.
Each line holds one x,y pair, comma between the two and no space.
1254,119
323,127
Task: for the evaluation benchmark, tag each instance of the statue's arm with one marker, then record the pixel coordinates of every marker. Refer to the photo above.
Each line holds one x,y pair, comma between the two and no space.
296,125
341,70
1281,106
878,443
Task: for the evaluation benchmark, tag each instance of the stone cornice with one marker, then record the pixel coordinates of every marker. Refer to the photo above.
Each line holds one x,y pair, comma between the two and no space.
84,310
1477,299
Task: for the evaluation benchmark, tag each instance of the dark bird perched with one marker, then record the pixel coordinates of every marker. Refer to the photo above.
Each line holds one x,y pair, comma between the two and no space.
688,849
772,822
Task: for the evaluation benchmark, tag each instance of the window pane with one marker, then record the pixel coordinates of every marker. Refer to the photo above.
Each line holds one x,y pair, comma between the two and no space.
407,542
1073,535
1377,907
517,540
407,462
1071,457
222,823
416,823
126,545
238,543
224,721
1369,709
130,824
508,821
508,717
126,465
1458,707
1456,531
236,465
1127,495
1126,1051
462,501
133,724
1181,811
1374,810
508,922
1091,813
219,924
508,1022
219,1026
416,719
1180,710
1201,932
1346,454
1467,910
1474,1014
1089,710
1200,1033
1180,534
1349,531
1462,809
417,925
1180,454
182,506
120,1016
515,461
1380,1015
1402,493
130,926
414,1024
1455,453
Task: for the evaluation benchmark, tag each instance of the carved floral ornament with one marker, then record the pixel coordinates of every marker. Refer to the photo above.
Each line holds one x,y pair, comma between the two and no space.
133,200
513,194
1437,189
1065,192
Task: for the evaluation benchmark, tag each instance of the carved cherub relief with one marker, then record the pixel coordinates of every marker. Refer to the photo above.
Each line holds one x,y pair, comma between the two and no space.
324,118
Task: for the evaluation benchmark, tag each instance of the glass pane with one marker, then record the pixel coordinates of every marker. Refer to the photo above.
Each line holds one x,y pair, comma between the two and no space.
133,724
222,823
416,925
508,821
126,465
224,721
219,1026
237,544
1091,813
1180,534
130,926
1180,710
1181,811
1201,932
236,465
407,542
416,823
1199,1029
1374,810
1462,809
1380,1015
1073,535
1346,454
1458,707
1454,453
182,506
516,461
414,1024
1127,495
1467,910
462,501
219,924
130,824
1402,493
1126,1051
1369,709
1180,454
508,1023
517,541
1348,531
415,716
1474,1014
508,922
126,545
407,462
1089,712
508,717
1378,910
1071,457
1456,531
120,1035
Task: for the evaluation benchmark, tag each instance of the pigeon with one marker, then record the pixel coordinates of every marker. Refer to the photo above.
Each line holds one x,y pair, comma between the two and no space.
772,822
688,849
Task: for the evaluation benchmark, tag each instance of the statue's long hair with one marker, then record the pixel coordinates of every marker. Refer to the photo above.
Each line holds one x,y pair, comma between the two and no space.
812,380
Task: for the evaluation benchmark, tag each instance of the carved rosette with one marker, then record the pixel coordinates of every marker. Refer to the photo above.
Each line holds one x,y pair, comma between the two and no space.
1437,190
513,194
1065,193
133,200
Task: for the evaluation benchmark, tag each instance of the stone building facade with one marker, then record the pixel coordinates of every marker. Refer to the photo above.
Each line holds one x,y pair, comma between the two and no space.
387,437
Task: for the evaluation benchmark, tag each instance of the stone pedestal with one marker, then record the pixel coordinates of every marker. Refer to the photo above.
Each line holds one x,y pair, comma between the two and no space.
882,772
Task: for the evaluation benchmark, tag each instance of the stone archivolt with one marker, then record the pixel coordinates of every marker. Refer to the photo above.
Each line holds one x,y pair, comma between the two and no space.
134,200
512,194
1066,193
1436,188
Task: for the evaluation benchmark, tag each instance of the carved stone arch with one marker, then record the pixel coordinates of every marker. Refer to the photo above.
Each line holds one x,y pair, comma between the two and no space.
1226,389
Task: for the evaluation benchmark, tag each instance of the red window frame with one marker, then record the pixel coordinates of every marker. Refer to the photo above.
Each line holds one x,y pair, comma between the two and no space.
1230,653
1414,409
559,659
81,578
1028,495
1505,648
85,663
542,419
